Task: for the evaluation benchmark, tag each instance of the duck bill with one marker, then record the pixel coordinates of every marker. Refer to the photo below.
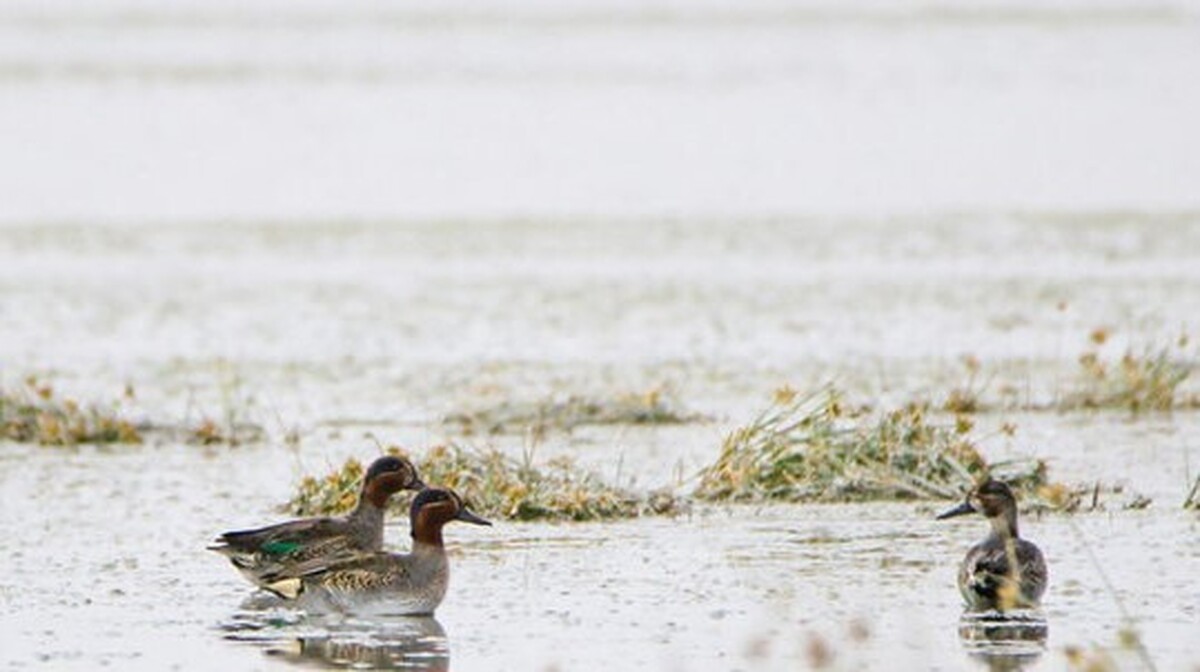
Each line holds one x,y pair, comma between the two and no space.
960,510
468,517
417,485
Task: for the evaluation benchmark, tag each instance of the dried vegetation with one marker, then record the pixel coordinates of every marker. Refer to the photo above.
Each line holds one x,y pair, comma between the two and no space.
806,448
1149,381
34,413
494,484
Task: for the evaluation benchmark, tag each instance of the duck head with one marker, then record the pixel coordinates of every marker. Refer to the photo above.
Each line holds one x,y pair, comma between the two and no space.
387,476
995,500
432,508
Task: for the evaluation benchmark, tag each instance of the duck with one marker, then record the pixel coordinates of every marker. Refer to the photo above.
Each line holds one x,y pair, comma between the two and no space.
265,555
383,583
1004,571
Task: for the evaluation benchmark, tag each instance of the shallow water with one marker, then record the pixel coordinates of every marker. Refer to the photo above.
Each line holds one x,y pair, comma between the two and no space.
344,222
119,577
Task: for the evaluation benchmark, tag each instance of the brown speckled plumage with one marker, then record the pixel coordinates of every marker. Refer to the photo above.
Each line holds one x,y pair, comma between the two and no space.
380,582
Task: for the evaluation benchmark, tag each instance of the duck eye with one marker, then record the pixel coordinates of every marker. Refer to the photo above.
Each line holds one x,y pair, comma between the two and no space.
435,496
991,488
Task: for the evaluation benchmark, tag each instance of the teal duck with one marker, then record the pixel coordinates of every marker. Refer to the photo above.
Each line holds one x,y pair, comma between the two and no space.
266,554
1003,571
387,583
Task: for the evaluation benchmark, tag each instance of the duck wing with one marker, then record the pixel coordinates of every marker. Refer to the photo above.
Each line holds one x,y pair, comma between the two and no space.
285,549
280,539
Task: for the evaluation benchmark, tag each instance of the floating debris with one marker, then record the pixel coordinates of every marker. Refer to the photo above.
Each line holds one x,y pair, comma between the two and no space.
656,406
497,485
812,448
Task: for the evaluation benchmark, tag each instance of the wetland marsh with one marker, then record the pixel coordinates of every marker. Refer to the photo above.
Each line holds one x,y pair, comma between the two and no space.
106,541
240,246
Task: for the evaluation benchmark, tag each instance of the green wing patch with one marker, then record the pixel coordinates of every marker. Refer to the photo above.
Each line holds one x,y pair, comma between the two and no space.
280,547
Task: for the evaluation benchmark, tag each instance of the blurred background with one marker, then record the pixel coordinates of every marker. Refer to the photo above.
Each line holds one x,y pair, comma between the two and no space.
183,111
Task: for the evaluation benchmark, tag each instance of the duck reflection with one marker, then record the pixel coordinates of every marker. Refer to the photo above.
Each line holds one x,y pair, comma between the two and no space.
1004,641
387,642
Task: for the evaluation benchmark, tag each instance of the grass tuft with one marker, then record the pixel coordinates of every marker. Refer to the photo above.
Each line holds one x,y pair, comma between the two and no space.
496,485
1150,381
655,406
34,413
209,432
1146,382
333,493
966,399
810,448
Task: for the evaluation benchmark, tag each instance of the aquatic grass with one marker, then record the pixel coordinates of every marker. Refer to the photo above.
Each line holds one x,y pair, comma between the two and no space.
230,426
1147,380
1137,382
334,493
35,413
494,484
655,406
812,448
518,490
208,432
968,397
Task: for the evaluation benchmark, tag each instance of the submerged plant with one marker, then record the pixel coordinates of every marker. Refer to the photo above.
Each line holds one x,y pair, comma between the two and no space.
496,485
809,448
33,413
656,406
